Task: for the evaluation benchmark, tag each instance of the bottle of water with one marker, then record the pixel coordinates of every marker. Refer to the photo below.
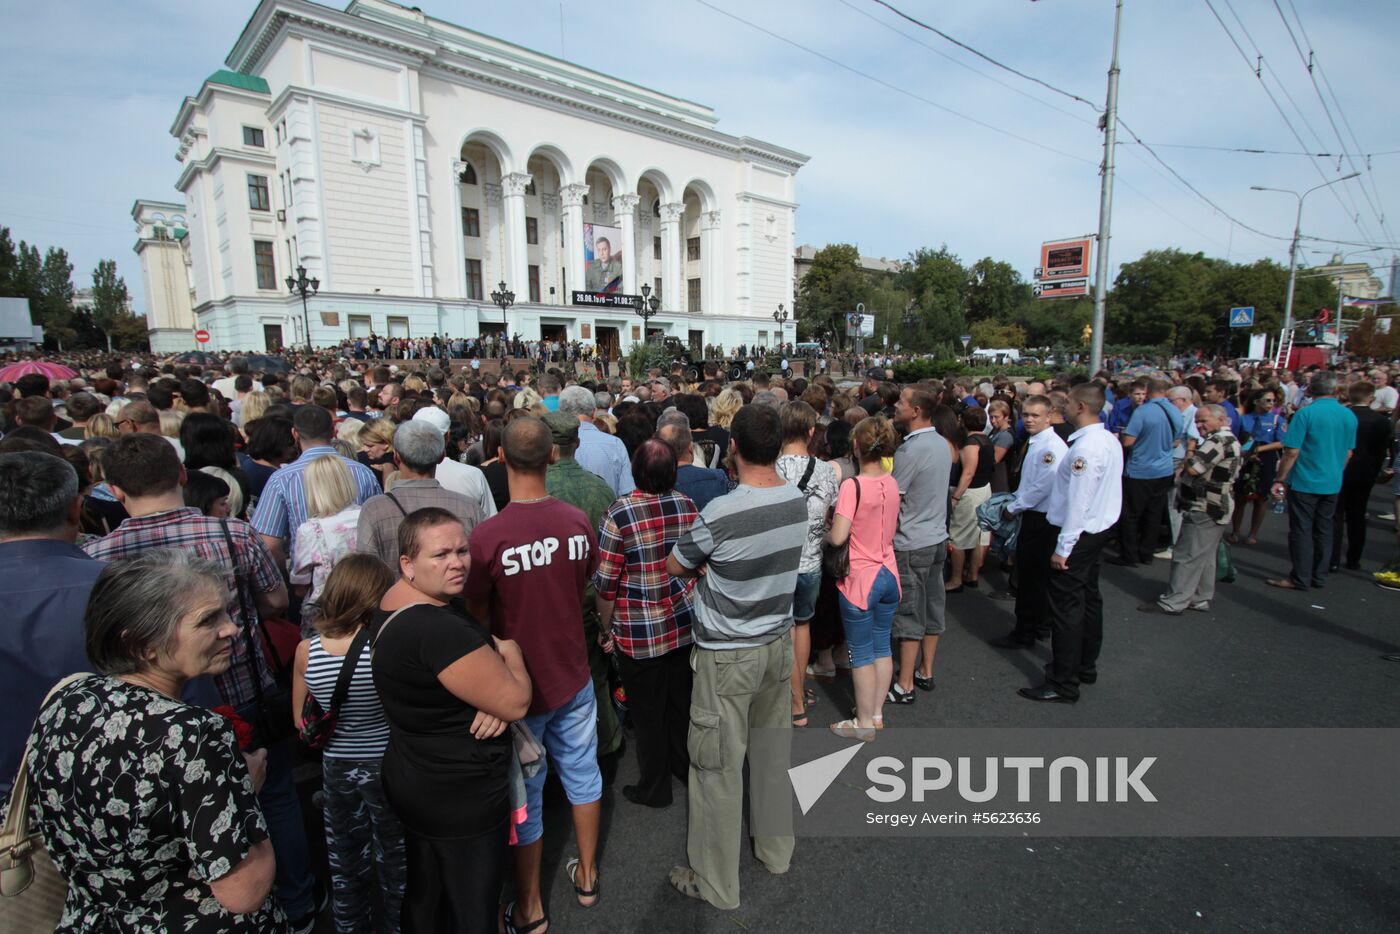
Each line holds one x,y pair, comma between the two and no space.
1279,506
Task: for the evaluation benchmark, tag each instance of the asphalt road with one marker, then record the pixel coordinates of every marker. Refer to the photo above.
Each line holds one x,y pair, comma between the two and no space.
1261,658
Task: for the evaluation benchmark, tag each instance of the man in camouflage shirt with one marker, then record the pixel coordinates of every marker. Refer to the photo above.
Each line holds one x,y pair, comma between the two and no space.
568,482
1203,497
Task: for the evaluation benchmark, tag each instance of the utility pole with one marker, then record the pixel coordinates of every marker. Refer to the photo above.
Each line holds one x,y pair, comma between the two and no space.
1110,134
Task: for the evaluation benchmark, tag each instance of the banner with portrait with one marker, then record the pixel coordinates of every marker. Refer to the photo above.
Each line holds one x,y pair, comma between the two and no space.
602,255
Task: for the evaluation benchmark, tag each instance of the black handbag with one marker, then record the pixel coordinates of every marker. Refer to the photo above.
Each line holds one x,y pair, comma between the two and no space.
273,720
318,723
836,559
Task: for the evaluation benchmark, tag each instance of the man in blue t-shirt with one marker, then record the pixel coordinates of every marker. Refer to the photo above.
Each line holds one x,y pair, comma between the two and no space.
1316,449
1148,474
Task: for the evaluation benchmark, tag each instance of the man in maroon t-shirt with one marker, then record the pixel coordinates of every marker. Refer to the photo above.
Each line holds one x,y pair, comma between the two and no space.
529,565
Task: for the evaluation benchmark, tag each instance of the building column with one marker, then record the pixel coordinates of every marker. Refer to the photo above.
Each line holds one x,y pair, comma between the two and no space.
551,251
625,216
458,240
517,251
711,264
495,238
672,265
572,196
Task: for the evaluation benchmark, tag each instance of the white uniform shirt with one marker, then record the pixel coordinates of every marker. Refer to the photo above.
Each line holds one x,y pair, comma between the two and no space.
1087,495
1038,470
469,481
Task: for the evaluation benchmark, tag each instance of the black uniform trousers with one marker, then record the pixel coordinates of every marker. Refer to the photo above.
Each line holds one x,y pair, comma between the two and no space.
1350,515
1034,546
658,704
1144,505
1077,609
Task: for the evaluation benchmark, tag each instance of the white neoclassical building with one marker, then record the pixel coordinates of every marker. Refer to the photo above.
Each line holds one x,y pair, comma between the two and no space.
411,166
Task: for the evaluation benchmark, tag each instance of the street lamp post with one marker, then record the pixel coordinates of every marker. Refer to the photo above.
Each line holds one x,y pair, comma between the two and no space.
781,317
860,328
647,305
1293,247
303,286
504,298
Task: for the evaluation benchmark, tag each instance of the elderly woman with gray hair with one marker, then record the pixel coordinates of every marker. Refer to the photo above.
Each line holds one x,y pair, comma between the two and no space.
145,803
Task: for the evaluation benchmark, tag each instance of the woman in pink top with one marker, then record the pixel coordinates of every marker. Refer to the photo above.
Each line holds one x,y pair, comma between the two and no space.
867,511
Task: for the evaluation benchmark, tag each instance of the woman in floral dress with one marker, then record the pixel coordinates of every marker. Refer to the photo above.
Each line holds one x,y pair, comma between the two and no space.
145,803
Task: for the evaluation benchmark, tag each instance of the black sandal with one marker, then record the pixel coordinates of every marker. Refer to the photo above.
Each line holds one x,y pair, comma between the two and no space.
571,867
523,929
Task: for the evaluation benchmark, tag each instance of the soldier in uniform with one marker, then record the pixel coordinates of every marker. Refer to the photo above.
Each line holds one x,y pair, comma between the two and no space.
1036,542
606,266
1085,501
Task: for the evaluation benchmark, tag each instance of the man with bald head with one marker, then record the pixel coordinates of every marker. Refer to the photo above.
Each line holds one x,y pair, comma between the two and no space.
529,566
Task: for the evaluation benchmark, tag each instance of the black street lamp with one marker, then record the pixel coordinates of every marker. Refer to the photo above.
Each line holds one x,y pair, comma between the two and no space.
504,298
647,306
303,286
911,317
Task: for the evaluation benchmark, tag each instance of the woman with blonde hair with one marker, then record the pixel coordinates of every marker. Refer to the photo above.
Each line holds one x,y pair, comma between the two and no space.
327,535
358,819
727,405
376,449
867,512
253,406
100,425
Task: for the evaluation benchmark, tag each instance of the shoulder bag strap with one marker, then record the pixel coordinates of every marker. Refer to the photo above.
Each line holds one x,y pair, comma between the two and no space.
807,474
15,831
385,625
397,503
347,670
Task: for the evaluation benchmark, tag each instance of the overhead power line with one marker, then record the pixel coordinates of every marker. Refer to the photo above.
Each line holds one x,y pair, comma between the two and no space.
1257,68
1274,152
985,57
892,86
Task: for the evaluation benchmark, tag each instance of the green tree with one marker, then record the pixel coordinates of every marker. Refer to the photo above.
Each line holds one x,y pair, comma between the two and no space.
28,275
831,288
1050,322
9,263
56,301
129,331
937,282
1166,297
109,297
995,290
996,334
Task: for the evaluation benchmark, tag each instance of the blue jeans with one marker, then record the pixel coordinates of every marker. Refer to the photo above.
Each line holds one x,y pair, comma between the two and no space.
868,630
294,885
1310,536
569,734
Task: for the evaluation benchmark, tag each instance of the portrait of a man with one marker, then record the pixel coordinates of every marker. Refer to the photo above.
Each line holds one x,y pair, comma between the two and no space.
603,253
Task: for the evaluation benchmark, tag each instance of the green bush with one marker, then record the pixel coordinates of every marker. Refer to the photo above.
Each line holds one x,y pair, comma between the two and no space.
645,356
915,370
933,368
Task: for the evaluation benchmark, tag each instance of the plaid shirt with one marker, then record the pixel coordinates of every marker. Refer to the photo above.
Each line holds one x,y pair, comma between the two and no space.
652,615
1216,464
190,530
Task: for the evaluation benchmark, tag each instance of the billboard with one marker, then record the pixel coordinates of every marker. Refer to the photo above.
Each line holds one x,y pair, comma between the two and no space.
1064,259
602,256
860,325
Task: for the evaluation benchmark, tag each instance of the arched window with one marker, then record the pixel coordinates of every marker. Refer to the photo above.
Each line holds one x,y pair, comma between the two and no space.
468,176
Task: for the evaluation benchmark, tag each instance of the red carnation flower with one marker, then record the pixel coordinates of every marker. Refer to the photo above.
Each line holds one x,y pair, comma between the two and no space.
242,729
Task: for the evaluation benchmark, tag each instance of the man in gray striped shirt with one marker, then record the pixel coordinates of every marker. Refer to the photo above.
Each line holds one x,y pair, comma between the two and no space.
748,544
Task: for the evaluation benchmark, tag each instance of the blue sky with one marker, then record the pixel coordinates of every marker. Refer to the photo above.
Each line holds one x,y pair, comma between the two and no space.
92,88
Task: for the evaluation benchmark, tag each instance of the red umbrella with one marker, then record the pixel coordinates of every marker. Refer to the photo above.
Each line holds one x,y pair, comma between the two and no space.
52,370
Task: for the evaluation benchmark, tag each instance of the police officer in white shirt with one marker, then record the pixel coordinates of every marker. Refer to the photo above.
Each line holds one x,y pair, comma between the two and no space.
1084,503
1036,540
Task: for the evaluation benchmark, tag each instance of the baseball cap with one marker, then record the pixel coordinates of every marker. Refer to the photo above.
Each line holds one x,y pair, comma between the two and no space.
562,428
875,372
434,416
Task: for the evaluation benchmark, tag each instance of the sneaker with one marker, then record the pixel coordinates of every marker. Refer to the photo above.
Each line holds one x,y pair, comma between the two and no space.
1201,607
1165,554
898,696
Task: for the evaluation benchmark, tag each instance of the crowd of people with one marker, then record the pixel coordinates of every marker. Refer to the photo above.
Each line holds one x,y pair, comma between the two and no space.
447,590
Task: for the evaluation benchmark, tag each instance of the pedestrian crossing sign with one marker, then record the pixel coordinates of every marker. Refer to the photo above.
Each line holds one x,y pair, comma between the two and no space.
1242,317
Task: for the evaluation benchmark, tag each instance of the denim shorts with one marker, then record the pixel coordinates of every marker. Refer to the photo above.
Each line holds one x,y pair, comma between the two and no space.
804,600
569,735
868,630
